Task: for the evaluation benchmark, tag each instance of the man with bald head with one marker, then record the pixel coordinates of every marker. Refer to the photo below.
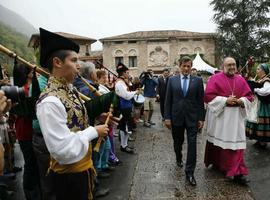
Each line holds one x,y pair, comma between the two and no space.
228,97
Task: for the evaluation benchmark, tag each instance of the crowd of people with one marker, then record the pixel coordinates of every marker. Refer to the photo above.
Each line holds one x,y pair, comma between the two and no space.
236,108
58,139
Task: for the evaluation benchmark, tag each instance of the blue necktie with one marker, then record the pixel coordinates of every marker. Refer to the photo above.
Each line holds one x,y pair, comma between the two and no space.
185,85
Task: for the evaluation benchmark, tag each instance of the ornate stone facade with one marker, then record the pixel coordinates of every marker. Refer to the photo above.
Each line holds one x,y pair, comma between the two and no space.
158,56
156,49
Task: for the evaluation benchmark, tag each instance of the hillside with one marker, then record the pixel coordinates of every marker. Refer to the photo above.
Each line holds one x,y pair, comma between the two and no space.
16,42
16,22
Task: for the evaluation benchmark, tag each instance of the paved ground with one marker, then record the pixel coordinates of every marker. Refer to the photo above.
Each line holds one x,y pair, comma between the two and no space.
151,174
157,177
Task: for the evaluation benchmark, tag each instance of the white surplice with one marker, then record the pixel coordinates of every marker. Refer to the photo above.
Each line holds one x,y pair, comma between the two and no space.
224,125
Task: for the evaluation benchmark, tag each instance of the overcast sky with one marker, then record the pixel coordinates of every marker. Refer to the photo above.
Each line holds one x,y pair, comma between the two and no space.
104,18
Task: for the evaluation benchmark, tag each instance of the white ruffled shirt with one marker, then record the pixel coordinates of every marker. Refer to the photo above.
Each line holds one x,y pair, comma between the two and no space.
122,91
264,91
252,115
65,146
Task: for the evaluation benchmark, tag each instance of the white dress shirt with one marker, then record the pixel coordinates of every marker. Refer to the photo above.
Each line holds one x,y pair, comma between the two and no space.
182,81
65,146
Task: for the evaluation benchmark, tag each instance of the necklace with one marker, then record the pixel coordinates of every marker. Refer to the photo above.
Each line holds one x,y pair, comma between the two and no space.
231,88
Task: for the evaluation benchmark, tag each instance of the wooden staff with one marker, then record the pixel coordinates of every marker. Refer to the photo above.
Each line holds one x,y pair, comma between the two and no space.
84,97
244,67
38,69
30,65
100,139
262,79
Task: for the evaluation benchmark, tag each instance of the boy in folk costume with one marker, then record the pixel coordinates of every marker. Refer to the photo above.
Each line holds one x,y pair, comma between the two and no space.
64,122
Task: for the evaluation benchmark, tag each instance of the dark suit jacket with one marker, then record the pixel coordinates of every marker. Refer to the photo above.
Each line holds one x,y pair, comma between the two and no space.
184,110
161,88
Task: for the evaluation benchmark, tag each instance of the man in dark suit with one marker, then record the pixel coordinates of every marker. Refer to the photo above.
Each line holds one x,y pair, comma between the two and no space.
161,89
184,110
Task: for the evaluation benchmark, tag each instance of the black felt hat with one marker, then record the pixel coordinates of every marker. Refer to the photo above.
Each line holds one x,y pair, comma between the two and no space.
51,42
121,68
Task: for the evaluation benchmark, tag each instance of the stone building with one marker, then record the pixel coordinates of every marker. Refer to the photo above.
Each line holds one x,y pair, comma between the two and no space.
156,49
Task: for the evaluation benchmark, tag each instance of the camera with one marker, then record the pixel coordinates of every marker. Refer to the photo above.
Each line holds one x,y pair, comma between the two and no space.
14,93
146,75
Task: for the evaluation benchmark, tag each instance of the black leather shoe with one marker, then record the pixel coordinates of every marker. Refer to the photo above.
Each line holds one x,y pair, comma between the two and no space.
103,174
101,192
4,193
127,150
260,145
115,163
109,169
179,164
242,180
191,180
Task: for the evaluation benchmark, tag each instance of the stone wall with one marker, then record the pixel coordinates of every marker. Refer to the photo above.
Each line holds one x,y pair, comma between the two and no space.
84,49
156,54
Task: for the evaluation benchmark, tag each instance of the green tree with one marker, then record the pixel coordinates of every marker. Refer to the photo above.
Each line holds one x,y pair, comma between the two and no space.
243,28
